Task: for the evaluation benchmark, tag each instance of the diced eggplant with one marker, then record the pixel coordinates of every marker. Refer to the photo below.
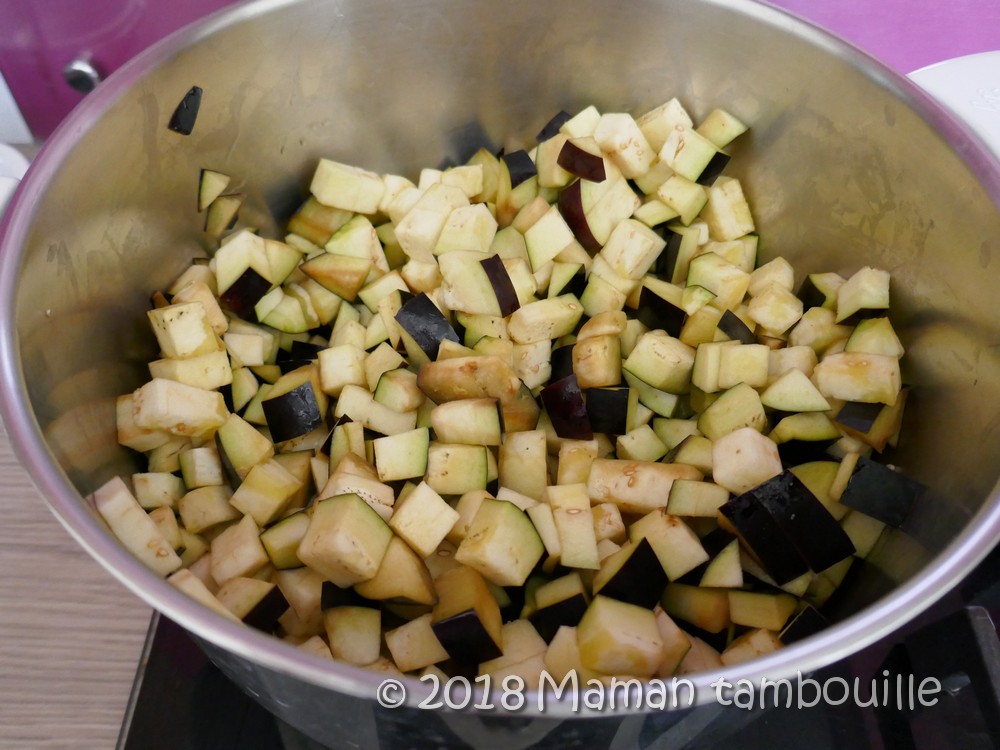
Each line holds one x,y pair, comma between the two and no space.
520,166
806,623
186,113
557,603
563,401
258,603
859,416
633,574
879,492
466,620
608,409
425,323
552,126
764,538
503,288
211,185
731,325
583,162
714,168
293,413
657,312
561,361
573,211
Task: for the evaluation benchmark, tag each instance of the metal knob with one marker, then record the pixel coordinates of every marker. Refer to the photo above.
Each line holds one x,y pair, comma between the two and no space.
82,75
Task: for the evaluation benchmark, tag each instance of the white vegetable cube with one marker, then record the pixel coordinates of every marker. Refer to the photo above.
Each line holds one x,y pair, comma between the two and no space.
608,523
743,459
619,638
340,366
501,544
794,392
743,363
423,519
419,230
467,228
661,361
347,187
134,528
201,467
238,551
157,489
778,271
247,349
776,308
468,177
265,492
402,456
727,282
685,197
346,540
414,645
186,581
856,376
677,547
632,248
178,408
547,237
354,633
133,436
867,289
620,138
788,358
727,212
209,371
661,121
749,646
687,152
201,292
574,522
183,330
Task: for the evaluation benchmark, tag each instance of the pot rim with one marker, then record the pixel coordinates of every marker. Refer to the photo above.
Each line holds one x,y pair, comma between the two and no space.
838,641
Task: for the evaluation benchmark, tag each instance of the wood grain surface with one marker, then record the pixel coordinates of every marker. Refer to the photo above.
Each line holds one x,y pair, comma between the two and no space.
70,635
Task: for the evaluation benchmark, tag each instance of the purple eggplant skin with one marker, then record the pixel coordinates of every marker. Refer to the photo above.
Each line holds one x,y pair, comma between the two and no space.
519,166
665,262
656,312
640,580
563,401
731,325
762,535
806,623
264,615
292,414
713,169
186,114
548,620
245,293
607,409
465,639
810,294
561,362
421,318
551,128
570,205
503,288
227,465
795,452
858,416
820,540
581,163
880,492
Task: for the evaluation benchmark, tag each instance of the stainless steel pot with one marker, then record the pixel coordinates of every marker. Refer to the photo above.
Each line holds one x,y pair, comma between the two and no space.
846,164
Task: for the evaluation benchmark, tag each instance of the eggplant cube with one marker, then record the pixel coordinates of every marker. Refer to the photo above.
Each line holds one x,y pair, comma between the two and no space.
574,522
676,546
265,492
501,543
633,574
414,645
134,528
403,455
183,330
403,577
346,187
178,408
258,603
564,404
557,603
466,620
880,492
423,519
354,633
743,459
763,537
238,551
661,361
346,540
295,405
619,638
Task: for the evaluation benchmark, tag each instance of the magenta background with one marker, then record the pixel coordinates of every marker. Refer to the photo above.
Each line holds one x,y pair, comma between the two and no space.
39,37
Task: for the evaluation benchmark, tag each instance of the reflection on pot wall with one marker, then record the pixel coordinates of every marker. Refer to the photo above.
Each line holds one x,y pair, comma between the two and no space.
41,37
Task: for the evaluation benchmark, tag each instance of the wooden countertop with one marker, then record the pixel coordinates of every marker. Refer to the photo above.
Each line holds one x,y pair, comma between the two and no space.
70,635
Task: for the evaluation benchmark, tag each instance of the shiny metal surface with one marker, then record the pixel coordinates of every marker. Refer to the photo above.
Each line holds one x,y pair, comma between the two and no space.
81,75
846,164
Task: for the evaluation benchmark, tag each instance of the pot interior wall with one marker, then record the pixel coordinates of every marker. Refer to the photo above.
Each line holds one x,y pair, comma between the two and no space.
839,170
